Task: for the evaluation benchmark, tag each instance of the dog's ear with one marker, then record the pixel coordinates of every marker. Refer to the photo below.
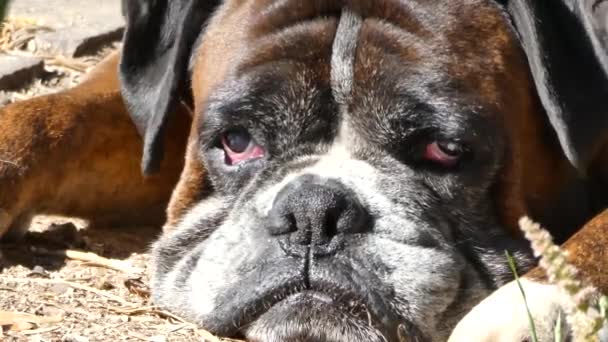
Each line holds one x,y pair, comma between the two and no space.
157,45
566,43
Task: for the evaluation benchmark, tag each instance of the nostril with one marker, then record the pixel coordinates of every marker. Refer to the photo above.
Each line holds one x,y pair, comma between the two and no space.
327,229
331,223
354,219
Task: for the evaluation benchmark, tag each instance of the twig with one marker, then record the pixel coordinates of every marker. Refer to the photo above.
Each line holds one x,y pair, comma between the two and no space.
93,259
19,42
114,326
56,306
72,64
73,285
179,327
207,336
136,335
132,311
9,162
39,331
148,309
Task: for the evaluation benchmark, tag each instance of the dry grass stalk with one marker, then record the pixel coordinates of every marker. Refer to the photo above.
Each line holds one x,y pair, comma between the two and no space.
205,335
586,313
40,331
93,259
77,286
73,64
16,32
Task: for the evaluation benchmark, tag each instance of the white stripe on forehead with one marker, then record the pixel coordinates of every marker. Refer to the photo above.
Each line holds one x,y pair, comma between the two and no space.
343,55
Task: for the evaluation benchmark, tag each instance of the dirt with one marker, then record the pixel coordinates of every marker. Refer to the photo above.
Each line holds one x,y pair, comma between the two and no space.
82,301
17,39
48,296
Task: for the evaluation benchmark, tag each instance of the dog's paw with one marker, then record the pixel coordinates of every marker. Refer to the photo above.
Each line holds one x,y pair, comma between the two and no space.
502,317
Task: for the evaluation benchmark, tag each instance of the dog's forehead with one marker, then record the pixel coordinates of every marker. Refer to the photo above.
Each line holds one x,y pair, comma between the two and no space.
459,51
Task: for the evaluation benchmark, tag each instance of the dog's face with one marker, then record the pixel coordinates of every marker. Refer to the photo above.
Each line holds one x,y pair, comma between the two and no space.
352,157
356,169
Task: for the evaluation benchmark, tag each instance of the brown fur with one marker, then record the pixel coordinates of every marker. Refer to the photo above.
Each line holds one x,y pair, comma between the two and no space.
77,153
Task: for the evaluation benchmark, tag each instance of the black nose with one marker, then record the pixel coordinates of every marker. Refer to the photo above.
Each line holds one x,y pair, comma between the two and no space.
314,214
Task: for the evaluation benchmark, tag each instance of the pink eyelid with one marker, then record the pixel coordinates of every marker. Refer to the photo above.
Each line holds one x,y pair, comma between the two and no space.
253,151
434,153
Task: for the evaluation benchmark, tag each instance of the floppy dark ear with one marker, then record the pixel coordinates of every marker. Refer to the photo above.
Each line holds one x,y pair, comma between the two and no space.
566,42
157,45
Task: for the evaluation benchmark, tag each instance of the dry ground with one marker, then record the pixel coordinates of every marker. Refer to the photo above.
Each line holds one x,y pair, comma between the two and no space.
97,292
16,38
68,283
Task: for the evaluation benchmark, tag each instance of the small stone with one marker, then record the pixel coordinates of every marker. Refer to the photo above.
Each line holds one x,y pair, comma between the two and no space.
38,272
157,338
104,284
31,46
35,338
49,310
74,338
58,288
118,319
18,71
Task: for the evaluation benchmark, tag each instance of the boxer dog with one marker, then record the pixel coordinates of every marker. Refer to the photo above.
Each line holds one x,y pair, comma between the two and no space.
340,170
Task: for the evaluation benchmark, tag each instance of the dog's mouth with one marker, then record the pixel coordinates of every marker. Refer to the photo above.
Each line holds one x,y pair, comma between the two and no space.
314,312
340,298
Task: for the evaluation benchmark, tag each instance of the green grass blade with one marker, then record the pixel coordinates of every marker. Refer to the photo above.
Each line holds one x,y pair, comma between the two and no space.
604,307
3,6
523,294
557,332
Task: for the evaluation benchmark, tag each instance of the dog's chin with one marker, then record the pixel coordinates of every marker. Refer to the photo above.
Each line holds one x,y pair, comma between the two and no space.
312,316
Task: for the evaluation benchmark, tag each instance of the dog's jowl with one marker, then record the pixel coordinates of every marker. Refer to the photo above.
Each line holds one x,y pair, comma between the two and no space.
355,170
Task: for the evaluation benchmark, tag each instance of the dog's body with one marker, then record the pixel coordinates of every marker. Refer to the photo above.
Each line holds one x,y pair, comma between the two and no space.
352,172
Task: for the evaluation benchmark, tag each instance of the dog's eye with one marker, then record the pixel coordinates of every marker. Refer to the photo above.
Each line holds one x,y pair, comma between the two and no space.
239,146
445,153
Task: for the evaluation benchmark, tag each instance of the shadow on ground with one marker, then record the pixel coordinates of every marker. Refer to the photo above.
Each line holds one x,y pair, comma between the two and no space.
113,243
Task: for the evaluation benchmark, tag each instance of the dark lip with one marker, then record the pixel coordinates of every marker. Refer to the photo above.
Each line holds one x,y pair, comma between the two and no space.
345,299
